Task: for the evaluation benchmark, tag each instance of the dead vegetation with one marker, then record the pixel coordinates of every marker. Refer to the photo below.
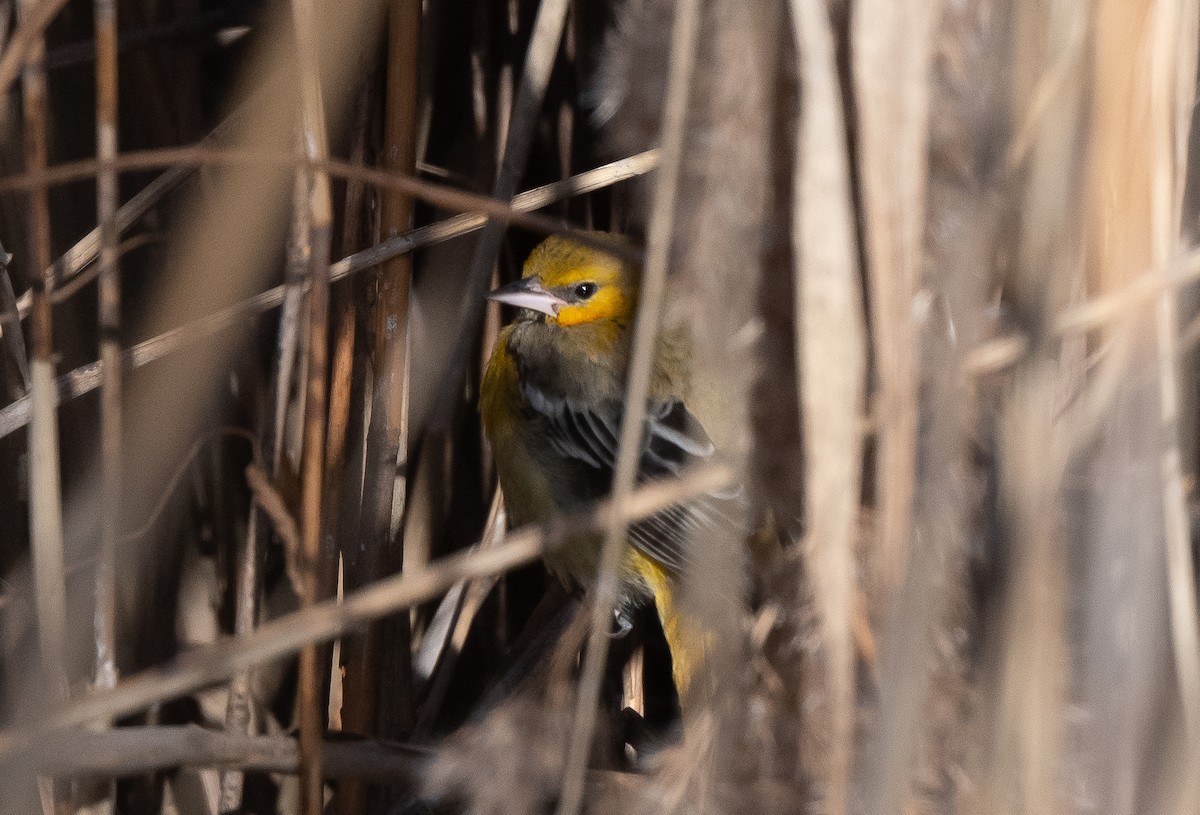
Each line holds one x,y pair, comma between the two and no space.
935,257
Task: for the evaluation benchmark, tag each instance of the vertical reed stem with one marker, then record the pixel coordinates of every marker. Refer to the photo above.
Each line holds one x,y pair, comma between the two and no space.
384,485
312,706
45,504
107,202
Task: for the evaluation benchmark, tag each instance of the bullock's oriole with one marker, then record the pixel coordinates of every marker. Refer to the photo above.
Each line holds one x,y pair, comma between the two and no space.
551,405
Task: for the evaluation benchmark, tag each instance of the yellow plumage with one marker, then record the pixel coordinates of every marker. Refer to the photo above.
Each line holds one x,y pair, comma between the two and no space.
550,404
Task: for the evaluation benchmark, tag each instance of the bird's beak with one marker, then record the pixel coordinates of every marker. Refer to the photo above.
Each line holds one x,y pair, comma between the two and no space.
528,293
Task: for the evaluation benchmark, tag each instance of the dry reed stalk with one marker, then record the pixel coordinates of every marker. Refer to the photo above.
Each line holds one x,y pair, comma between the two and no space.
507,79
685,33
45,499
312,702
831,375
239,714
109,327
369,688
314,243
45,489
929,641
1133,210
916,743
1027,738
1036,441
289,362
890,46
285,635
1172,97
128,751
1136,211
341,501
87,378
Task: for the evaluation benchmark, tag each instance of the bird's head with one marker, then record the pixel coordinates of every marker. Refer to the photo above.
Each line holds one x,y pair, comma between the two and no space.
568,283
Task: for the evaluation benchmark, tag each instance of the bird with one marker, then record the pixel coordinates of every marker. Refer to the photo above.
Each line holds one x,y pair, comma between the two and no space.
551,403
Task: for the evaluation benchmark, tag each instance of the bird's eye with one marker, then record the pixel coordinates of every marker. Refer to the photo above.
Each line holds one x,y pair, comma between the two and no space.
585,290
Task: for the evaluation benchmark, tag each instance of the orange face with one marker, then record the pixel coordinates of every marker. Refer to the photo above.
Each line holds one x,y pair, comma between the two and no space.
572,284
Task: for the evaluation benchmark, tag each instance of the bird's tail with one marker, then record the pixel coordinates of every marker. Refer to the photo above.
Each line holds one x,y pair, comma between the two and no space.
688,642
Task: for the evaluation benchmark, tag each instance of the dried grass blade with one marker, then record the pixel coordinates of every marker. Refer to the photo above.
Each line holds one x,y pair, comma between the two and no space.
45,488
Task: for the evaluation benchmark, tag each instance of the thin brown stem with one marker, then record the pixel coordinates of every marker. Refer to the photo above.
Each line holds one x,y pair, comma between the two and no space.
131,751
383,485
317,241
109,322
45,505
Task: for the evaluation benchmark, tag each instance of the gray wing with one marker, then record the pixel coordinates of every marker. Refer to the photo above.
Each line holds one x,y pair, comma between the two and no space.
585,439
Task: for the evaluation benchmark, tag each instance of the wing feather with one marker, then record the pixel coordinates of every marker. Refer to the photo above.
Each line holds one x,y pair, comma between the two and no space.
584,440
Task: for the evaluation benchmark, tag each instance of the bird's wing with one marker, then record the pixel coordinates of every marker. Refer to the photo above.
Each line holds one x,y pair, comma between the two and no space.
586,437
